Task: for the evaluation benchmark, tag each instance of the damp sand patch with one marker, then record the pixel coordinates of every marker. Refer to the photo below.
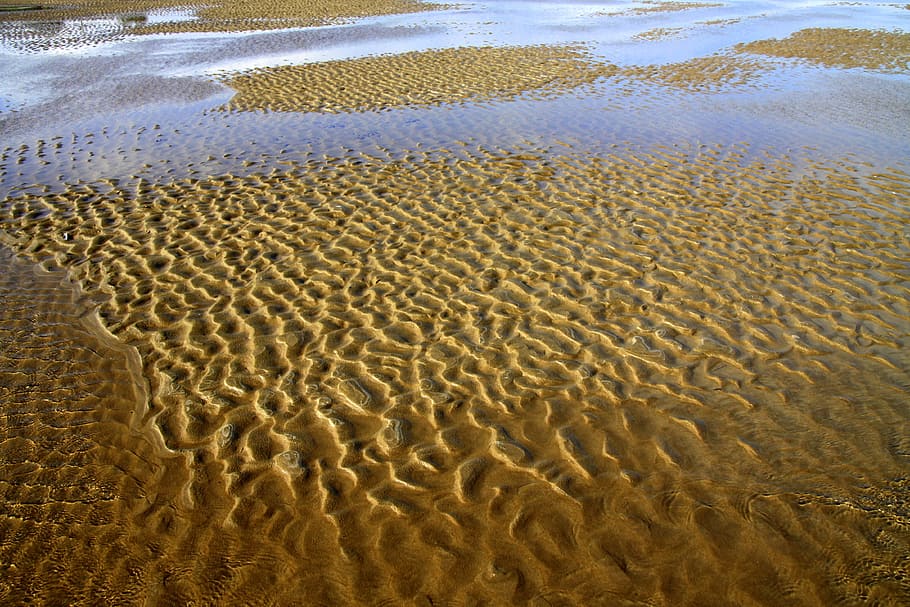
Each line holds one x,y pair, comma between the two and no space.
880,50
78,9
655,6
249,15
306,10
422,78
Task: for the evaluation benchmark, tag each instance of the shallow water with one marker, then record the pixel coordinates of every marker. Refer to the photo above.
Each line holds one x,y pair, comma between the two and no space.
640,339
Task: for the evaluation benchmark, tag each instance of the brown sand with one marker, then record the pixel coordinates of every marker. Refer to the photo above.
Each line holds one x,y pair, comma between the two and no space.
656,6
720,22
887,51
840,48
83,9
275,14
417,79
477,376
76,472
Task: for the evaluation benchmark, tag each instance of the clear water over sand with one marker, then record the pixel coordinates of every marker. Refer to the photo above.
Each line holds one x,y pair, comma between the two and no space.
502,303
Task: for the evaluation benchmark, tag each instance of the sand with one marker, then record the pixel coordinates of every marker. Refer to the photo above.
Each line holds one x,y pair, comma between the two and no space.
457,366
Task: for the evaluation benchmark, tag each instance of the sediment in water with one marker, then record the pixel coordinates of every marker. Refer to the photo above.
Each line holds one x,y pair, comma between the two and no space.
80,465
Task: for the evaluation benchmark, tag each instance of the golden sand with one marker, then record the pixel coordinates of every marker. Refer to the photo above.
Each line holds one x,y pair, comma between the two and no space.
39,10
720,22
480,376
51,13
843,48
417,79
274,14
76,470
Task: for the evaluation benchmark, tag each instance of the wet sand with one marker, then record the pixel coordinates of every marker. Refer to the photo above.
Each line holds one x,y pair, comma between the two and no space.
399,357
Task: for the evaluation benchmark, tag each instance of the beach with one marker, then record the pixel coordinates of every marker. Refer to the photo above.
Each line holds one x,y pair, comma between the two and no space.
591,303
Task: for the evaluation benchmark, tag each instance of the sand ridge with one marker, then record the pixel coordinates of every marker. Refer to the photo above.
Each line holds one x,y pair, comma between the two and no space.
880,50
468,75
660,33
403,381
652,7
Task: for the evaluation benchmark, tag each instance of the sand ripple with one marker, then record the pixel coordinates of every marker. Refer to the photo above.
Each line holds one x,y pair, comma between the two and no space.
473,75
512,375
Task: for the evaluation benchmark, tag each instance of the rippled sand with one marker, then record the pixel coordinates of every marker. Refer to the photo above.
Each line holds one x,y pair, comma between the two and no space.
618,373
420,78
846,48
410,383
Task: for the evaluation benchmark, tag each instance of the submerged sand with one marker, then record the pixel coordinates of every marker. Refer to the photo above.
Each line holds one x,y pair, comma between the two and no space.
668,373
